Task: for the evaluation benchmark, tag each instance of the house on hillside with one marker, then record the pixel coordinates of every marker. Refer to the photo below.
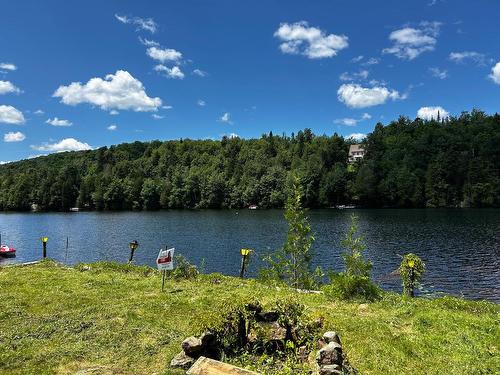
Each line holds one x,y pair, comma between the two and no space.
356,153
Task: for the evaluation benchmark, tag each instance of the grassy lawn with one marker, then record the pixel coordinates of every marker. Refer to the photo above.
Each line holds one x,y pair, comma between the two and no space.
60,320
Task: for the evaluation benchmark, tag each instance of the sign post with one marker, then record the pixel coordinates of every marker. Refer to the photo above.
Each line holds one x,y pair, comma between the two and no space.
165,262
245,253
44,240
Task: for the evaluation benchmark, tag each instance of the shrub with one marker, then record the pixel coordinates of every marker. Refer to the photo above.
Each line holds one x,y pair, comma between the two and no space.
411,271
183,269
351,287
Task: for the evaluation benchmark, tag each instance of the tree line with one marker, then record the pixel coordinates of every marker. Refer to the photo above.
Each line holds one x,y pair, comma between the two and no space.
453,162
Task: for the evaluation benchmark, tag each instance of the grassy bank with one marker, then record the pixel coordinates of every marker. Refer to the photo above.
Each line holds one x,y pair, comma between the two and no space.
61,320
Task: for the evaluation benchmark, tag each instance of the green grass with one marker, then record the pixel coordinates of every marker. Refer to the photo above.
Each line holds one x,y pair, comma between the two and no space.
60,320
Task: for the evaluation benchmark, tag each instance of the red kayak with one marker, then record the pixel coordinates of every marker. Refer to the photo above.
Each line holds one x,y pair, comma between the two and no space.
7,251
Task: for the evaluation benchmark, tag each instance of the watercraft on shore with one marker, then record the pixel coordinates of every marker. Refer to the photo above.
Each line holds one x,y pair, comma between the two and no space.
7,251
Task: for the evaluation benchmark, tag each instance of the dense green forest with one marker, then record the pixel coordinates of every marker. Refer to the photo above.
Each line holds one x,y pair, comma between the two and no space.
448,163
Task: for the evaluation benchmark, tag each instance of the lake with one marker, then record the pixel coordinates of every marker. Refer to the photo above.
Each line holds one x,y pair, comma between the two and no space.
461,247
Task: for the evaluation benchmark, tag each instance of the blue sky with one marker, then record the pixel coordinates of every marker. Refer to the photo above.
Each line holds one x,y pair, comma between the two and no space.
76,75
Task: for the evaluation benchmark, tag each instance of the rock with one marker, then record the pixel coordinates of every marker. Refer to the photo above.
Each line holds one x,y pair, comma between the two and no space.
330,370
362,308
331,354
192,346
331,336
267,316
182,360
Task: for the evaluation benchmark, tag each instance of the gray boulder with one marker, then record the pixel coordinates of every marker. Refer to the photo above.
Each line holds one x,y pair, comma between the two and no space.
331,336
330,370
331,354
182,360
192,346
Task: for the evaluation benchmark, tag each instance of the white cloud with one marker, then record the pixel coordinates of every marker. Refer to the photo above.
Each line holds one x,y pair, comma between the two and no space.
7,87
464,56
114,112
371,61
14,137
39,112
167,107
495,73
66,144
357,136
347,121
299,38
357,59
226,117
142,23
11,115
199,73
361,75
116,91
112,127
356,96
175,72
410,42
163,54
149,43
201,103
429,113
8,66
58,122
157,117
438,73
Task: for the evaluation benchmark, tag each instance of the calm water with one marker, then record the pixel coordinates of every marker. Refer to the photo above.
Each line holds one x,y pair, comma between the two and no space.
461,248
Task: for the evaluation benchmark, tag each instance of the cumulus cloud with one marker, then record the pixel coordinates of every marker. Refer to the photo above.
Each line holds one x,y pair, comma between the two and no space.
356,96
11,115
157,117
119,91
201,103
301,39
142,23
66,144
112,127
8,66
14,137
199,73
175,72
409,42
163,54
361,75
438,73
39,112
356,136
429,113
58,122
495,73
226,118
7,87
464,56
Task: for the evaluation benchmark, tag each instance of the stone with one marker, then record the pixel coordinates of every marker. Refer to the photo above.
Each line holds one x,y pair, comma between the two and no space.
330,370
182,360
331,354
192,346
278,333
331,336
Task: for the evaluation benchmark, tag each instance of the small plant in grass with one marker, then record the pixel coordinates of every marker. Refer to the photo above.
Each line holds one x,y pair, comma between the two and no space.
183,269
354,282
411,270
292,262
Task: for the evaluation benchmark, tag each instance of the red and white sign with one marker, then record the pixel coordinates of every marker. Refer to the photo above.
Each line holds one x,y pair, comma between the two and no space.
165,260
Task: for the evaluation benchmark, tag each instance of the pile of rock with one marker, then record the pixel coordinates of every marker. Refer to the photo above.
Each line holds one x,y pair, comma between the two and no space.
330,358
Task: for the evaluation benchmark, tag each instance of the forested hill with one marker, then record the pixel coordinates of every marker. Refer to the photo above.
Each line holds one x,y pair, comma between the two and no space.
408,163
